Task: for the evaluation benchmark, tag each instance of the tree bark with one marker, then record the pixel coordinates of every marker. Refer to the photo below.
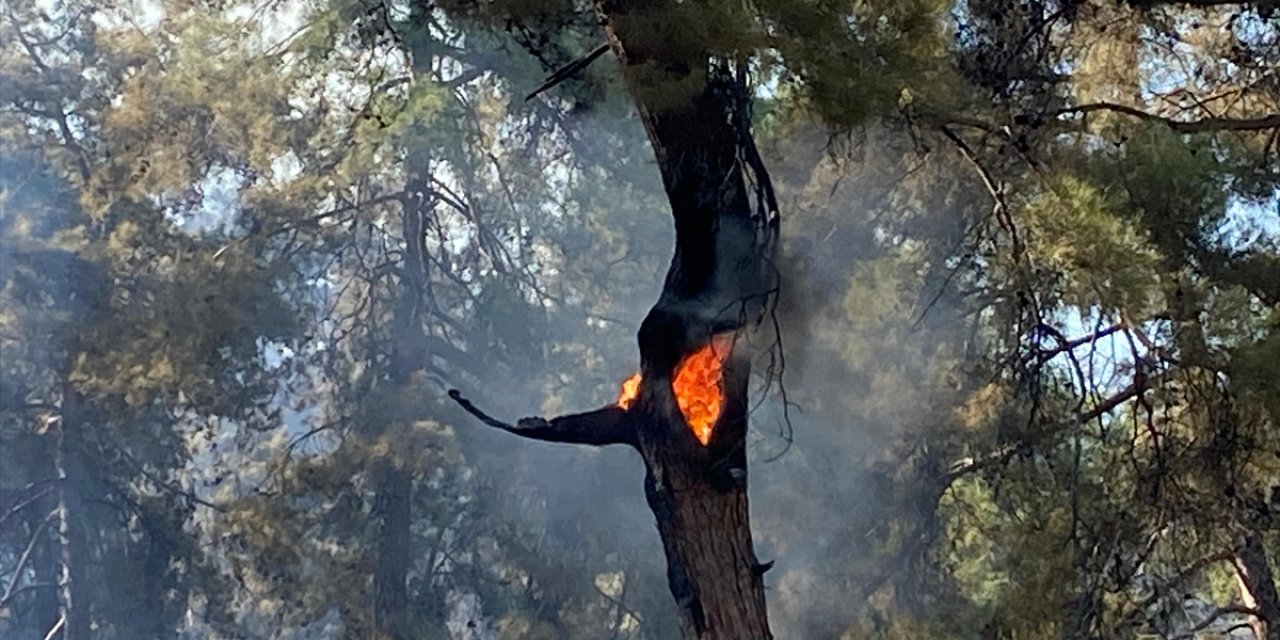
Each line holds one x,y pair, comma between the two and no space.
695,108
1258,586
391,556
699,497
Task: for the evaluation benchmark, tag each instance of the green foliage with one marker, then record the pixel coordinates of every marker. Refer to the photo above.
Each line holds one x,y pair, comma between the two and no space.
1102,257
204,222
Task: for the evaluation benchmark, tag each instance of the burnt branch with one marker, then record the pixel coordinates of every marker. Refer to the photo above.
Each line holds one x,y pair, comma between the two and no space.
609,425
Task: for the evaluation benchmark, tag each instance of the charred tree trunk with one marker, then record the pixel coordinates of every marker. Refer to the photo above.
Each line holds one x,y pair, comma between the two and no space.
721,284
698,495
695,107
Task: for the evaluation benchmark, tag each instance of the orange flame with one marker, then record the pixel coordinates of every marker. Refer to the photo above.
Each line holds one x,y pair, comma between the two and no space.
630,389
696,385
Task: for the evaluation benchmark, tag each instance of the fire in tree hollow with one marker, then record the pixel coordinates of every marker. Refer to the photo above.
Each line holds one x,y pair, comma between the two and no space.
697,385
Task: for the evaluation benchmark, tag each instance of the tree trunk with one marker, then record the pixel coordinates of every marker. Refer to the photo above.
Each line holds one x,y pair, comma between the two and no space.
47,567
721,282
391,556
72,595
695,108
1258,586
699,498
698,495
393,484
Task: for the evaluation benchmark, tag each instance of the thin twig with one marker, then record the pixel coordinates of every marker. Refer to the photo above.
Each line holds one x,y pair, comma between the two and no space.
23,505
26,555
57,628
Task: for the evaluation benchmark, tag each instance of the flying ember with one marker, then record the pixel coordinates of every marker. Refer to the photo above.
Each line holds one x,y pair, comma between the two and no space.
696,385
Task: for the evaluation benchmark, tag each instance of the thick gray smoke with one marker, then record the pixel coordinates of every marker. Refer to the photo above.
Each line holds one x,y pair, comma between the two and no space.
814,498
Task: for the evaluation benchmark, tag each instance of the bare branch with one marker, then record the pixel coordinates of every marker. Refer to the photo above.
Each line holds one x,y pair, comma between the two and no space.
1001,209
23,505
610,425
1139,386
314,220
31,587
64,128
1065,344
1004,454
57,628
564,72
1201,125
622,608
170,486
1213,617
26,555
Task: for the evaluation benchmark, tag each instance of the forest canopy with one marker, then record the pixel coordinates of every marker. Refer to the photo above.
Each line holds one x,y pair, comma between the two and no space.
1018,376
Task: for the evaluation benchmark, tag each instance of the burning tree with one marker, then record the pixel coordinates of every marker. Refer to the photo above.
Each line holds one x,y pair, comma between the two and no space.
686,411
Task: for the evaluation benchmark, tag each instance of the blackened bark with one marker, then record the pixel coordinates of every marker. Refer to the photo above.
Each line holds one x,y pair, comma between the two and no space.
698,495
73,600
695,108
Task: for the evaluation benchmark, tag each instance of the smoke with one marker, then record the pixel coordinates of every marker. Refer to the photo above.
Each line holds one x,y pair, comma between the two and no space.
864,325
861,234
